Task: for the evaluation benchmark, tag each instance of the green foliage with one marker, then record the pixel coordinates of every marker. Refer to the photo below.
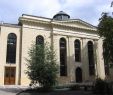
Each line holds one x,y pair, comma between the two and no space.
102,87
41,66
105,29
75,87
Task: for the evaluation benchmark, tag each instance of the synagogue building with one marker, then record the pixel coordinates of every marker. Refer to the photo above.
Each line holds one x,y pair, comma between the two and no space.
78,47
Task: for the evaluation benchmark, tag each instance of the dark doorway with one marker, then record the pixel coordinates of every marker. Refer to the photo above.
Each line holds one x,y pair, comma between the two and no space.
9,77
78,75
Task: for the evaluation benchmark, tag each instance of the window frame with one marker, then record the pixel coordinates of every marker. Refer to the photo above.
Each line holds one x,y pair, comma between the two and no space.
90,46
11,48
39,38
77,48
63,57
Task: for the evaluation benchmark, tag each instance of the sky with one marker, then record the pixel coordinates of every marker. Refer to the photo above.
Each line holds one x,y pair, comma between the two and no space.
87,10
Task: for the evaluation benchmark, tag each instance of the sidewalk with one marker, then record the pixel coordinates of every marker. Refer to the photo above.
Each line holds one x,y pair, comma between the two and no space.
58,93
11,89
14,89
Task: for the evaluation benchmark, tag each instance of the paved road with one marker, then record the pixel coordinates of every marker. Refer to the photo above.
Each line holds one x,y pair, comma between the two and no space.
7,92
58,93
10,90
13,90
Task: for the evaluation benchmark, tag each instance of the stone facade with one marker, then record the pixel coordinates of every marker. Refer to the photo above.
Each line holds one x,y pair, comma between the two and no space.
30,27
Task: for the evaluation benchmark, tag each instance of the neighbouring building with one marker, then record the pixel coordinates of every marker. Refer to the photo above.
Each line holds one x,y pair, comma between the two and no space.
77,44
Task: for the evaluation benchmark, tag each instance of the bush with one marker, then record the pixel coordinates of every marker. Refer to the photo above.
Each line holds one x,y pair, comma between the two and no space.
39,90
102,87
75,87
42,89
41,66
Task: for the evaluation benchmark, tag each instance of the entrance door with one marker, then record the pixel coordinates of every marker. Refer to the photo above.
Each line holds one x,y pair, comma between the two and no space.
78,75
9,77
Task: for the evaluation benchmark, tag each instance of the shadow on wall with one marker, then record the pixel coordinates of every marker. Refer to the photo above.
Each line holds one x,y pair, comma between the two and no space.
81,69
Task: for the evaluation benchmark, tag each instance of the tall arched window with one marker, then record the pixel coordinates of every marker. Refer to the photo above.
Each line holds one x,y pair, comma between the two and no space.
11,48
91,58
40,40
63,57
77,51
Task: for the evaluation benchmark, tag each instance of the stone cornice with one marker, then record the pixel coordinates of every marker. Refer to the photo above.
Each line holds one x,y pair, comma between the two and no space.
96,38
53,23
10,25
69,27
36,17
30,20
76,20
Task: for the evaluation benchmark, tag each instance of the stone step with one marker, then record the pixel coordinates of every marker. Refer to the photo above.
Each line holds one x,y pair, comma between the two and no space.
14,87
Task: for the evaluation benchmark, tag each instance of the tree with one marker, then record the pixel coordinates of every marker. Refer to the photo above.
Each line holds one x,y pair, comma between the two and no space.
105,29
41,65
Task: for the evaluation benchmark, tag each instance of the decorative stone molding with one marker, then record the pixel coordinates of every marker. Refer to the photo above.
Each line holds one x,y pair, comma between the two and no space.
57,24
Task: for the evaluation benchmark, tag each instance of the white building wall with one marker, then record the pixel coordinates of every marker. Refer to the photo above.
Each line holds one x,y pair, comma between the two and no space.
5,30
100,60
29,31
29,35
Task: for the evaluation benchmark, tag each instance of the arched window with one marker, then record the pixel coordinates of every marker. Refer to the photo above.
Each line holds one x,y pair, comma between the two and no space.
91,58
77,51
63,57
11,48
40,40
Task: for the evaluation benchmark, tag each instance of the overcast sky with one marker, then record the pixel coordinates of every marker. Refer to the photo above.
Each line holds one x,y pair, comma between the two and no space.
87,10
